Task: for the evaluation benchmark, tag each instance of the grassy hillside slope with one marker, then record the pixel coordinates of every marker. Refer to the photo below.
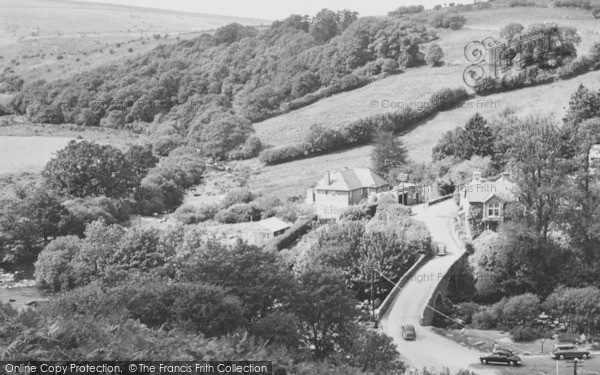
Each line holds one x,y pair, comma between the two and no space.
34,33
414,86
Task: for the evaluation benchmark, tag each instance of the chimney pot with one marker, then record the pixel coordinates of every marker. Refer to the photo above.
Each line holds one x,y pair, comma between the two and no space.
476,175
328,175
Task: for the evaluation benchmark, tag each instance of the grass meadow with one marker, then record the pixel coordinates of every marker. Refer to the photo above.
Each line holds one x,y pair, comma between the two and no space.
28,154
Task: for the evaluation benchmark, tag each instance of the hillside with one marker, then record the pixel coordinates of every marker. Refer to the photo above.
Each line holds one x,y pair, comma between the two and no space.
206,91
33,33
414,86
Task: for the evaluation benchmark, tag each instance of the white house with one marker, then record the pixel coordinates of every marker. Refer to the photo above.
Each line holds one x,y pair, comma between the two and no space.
340,189
491,196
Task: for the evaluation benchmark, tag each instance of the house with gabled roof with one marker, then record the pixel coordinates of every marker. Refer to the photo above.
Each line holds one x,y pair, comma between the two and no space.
337,190
491,196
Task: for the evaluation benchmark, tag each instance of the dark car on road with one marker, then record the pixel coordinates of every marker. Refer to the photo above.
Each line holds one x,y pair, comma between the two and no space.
501,356
408,332
569,351
439,248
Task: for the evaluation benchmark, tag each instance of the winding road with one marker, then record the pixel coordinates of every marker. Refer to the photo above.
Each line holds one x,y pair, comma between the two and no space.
429,349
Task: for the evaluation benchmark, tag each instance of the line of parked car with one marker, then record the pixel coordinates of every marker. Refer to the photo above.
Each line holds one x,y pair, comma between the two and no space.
507,357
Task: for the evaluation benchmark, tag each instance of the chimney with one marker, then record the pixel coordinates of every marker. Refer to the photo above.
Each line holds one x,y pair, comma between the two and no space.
476,176
328,176
506,176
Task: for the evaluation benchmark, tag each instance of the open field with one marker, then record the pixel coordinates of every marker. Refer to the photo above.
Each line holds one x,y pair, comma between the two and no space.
28,154
51,39
27,147
19,126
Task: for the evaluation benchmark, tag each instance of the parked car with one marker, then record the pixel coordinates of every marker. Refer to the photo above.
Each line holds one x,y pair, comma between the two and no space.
408,332
569,351
501,356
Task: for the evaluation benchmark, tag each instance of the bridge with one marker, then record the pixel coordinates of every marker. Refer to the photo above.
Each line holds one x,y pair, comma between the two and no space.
420,290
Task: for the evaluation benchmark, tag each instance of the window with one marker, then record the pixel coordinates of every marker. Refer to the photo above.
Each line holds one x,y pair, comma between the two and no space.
494,210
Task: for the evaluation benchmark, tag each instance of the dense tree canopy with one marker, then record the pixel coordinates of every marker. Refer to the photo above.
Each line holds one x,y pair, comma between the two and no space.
84,169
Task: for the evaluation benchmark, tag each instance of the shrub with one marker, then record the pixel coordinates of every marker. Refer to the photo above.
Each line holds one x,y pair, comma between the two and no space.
476,226
267,204
190,214
249,149
386,198
164,185
359,212
166,143
358,132
184,170
279,328
449,21
434,55
10,83
521,3
238,213
83,211
523,333
237,196
412,9
511,30
222,134
467,310
320,140
115,119
521,309
576,67
52,268
594,56
485,320
392,212
288,212
281,154
49,114
584,4
446,98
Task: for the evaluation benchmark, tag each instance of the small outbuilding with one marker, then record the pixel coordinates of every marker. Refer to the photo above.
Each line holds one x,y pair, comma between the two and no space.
264,230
